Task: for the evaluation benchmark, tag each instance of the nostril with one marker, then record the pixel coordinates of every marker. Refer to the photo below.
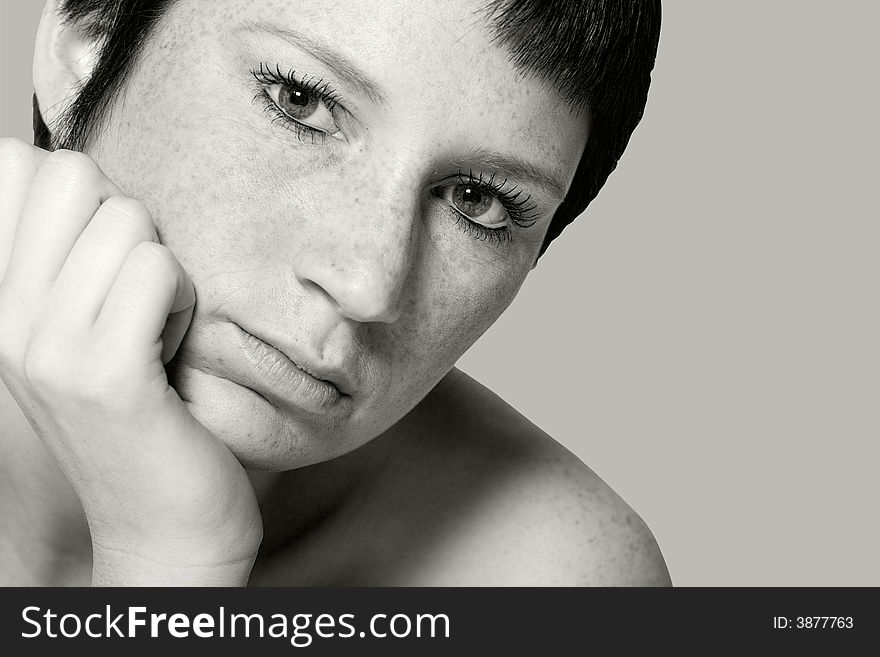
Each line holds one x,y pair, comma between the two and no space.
362,274
384,313
361,297
371,299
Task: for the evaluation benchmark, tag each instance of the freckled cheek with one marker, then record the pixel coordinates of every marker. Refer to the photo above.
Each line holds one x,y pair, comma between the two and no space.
457,302
216,203
223,193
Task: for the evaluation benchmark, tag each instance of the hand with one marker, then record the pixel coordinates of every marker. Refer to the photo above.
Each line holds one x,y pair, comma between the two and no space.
91,308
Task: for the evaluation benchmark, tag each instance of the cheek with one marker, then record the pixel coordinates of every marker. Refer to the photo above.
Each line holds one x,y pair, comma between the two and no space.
454,298
190,148
214,200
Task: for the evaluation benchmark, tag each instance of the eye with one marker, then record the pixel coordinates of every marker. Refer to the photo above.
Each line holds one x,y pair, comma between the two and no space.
475,203
304,106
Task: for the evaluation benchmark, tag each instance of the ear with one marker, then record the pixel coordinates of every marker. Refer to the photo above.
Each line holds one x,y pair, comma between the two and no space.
64,57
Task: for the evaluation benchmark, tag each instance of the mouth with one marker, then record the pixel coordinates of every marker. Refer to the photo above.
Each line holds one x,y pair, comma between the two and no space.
287,379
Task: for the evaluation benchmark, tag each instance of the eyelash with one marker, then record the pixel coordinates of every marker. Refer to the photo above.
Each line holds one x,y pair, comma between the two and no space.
519,209
266,76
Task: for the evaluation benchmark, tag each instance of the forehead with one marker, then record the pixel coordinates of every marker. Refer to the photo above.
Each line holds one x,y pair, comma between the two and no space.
435,64
391,37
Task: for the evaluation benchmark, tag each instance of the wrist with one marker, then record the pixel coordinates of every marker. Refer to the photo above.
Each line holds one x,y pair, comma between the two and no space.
112,566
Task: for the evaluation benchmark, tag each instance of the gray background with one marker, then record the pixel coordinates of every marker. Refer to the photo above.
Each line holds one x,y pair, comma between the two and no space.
701,337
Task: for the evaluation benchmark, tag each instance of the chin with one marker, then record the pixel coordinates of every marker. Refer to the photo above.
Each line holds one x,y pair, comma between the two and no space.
261,436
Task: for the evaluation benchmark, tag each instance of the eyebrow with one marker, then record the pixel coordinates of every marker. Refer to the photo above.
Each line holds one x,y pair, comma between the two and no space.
343,67
508,165
516,167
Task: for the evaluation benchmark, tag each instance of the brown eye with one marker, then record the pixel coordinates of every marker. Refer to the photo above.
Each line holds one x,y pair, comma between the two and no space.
474,203
305,107
471,200
297,103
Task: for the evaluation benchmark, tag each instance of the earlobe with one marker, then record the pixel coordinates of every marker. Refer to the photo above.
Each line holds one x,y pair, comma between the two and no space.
64,57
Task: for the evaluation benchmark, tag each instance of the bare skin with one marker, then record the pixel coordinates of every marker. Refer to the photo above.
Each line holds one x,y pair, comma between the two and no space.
440,511
131,454
473,502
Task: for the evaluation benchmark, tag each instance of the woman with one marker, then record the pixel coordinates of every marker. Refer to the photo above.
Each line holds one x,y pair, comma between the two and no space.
229,324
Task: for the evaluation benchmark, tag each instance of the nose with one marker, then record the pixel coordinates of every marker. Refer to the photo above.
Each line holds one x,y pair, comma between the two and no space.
361,258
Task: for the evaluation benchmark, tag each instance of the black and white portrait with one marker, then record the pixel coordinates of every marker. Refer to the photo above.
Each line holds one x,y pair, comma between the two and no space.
471,293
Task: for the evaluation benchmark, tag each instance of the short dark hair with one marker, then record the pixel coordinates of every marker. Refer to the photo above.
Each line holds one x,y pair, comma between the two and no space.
598,54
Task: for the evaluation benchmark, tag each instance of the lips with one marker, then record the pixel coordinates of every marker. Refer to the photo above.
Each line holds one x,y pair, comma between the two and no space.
285,377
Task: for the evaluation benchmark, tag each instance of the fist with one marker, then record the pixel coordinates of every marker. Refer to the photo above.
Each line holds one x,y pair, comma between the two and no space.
91,308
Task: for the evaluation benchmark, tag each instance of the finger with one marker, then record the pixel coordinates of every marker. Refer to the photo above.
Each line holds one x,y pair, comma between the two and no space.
19,162
151,285
66,192
175,330
91,268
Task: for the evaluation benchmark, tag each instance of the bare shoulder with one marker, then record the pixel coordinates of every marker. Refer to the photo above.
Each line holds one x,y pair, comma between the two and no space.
536,514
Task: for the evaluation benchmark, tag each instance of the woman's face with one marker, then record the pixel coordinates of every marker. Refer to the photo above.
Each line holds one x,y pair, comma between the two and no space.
363,185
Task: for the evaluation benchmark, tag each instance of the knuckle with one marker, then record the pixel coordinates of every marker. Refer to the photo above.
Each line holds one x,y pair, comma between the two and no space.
128,206
14,153
41,364
73,165
154,263
130,214
153,256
